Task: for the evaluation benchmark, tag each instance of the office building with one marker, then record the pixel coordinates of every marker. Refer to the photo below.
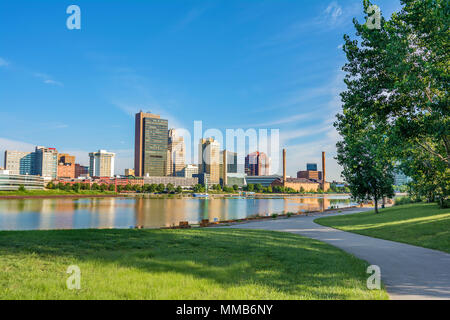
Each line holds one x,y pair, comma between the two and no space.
175,154
129,173
101,164
257,164
189,171
209,159
310,175
150,150
46,164
265,181
20,163
81,171
66,166
12,182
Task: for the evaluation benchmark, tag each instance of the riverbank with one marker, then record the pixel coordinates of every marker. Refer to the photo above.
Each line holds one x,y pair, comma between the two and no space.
420,224
49,194
54,193
178,264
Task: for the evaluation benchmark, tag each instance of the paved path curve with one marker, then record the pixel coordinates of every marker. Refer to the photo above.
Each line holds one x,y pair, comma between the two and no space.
409,272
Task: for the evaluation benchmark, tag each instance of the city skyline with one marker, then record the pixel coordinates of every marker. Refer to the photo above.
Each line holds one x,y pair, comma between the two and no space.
82,94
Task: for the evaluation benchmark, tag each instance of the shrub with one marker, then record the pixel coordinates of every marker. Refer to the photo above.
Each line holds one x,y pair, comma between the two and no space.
22,188
405,200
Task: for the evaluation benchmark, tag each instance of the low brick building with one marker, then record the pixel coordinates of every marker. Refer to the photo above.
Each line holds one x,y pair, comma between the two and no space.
299,184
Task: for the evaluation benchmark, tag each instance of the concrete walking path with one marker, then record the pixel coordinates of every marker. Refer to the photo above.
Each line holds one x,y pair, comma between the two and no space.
409,272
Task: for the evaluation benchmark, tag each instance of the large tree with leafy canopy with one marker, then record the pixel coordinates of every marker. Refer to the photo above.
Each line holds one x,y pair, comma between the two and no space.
397,77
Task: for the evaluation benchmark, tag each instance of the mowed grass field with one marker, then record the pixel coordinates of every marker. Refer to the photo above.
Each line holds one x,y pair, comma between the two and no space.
178,264
424,225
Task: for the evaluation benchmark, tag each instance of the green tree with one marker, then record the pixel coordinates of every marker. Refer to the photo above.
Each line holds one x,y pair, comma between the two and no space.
400,76
235,187
22,188
76,187
198,188
160,188
170,188
179,190
50,185
258,188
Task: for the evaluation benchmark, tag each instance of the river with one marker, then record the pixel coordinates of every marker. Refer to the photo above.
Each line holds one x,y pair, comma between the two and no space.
96,213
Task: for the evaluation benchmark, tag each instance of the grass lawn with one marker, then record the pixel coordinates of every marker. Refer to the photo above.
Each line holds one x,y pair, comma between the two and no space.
178,264
424,225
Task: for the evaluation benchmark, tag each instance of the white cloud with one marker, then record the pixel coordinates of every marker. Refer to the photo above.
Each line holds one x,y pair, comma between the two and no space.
47,79
190,17
3,62
286,136
13,145
154,108
333,11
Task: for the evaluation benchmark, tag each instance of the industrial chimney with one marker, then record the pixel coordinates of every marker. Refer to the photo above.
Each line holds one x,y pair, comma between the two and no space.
225,169
324,179
284,166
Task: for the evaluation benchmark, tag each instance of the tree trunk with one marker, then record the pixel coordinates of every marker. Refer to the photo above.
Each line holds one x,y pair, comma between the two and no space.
376,205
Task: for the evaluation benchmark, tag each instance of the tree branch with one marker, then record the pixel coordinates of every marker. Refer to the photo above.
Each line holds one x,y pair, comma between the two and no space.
430,150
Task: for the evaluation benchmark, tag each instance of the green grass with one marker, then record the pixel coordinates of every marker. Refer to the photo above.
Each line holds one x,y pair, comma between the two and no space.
424,225
54,192
178,264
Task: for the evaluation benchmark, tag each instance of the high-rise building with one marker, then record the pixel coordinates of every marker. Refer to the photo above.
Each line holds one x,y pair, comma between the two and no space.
101,164
150,150
81,171
232,162
66,166
18,162
209,159
311,167
257,164
46,164
129,172
189,171
175,154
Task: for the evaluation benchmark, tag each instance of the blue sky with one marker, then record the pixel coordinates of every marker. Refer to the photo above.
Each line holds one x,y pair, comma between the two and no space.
231,64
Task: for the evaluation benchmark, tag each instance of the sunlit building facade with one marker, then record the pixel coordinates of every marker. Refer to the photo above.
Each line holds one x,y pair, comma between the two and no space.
151,145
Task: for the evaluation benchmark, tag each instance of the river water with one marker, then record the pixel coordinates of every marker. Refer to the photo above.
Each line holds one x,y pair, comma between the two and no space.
88,213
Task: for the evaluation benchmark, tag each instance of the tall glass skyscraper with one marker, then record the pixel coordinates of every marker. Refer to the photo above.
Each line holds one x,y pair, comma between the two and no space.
151,145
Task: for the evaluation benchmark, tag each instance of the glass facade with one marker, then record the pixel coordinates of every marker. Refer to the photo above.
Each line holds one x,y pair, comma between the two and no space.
155,144
311,167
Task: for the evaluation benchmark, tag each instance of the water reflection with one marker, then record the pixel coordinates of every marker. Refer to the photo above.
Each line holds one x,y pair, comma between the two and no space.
44,214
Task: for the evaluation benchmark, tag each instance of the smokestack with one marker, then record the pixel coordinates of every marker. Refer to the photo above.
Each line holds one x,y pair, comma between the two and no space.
324,179
225,168
284,166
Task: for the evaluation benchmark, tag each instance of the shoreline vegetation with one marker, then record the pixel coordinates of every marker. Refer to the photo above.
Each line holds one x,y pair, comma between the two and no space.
56,193
179,265
420,224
